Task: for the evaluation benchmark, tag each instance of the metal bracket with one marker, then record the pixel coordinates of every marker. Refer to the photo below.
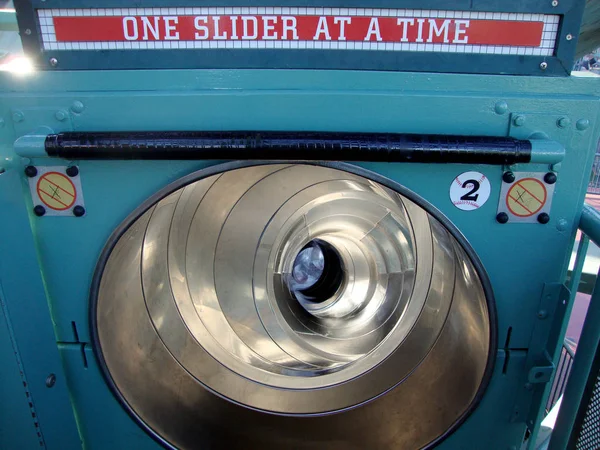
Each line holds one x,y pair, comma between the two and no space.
539,360
541,374
527,126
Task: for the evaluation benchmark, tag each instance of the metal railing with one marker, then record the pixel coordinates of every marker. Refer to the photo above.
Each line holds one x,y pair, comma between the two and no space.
582,373
563,370
594,184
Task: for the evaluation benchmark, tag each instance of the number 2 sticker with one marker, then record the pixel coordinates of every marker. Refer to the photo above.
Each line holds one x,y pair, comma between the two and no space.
470,190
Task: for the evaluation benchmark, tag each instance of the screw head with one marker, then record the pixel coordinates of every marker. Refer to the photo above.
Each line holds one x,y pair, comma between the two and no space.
77,107
508,177
53,62
555,3
72,171
582,124
519,121
18,116
39,210
563,122
543,218
501,107
27,31
543,65
60,115
562,224
50,380
550,178
502,217
569,37
31,171
78,211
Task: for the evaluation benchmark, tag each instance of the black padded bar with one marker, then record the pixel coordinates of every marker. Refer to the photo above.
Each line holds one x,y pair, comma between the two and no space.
318,146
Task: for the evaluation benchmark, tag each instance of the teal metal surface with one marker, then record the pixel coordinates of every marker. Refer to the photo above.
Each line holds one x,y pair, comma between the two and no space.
587,349
27,315
17,424
518,257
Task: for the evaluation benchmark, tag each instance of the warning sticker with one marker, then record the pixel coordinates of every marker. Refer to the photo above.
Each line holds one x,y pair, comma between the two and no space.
57,190
528,196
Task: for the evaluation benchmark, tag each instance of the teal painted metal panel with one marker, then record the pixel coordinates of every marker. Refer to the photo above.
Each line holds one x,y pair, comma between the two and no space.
25,304
519,258
17,426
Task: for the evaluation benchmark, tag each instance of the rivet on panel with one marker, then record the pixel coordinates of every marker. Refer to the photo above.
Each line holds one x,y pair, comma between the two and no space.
582,124
28,31
550,178
519,121
78,211
72,171
508,177
563,122
561,224
502,217
39,210
569,37
60,115
53,62
31,171
543,218
50,380
543,65
18,116
77,107
555,3
501,107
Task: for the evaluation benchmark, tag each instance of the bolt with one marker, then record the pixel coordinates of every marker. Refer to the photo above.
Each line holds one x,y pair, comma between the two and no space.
77,107
542,314
39,210
18,116
60,115
563,122
30,171
519,121
582,124
555,3
50,380
72,171
543,218
569,37
78,211
501,107
550,178
561,224
508,177
53,62
502,217
543,65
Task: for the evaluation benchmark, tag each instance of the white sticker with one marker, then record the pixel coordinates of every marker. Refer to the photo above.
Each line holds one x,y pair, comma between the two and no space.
470,190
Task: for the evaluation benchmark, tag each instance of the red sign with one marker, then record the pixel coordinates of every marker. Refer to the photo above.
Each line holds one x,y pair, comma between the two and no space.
298,28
